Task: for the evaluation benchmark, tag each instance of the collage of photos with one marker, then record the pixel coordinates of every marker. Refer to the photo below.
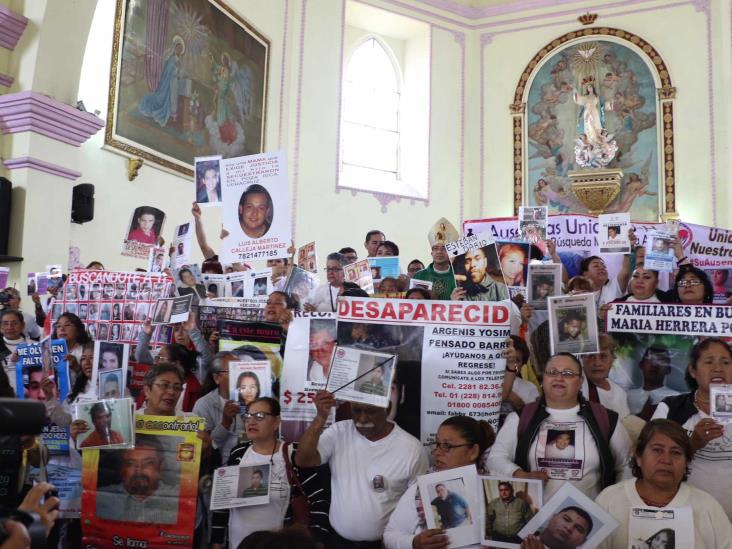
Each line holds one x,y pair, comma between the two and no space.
532,225
114,311
307,258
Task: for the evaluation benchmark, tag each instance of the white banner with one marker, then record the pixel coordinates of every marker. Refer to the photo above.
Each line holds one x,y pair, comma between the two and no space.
677,319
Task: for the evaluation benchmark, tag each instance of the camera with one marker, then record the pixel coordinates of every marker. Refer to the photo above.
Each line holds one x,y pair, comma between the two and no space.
21,417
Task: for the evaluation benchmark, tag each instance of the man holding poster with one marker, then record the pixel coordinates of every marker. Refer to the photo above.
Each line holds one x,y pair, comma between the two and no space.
255,207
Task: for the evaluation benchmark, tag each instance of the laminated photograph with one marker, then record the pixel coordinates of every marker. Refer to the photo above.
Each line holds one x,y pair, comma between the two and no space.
172,310
560,450
612,233
240,486
544,281
476,267
570,520
108,424
573,324
450,500
208,180
249,381
720,402
513,258
506,506
361,376
659,252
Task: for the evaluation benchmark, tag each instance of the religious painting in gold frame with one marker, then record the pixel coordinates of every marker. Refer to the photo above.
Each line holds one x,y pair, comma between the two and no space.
633,80
188,78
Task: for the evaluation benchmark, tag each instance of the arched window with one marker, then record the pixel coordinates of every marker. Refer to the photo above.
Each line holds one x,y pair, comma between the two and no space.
370,117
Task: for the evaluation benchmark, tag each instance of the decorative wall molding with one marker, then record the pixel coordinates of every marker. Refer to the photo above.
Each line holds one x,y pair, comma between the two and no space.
29,111
6,80
33,163
298,116
12,26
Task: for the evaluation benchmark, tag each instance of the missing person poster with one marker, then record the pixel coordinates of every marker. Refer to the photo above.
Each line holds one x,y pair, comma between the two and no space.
252,341
360,273
311,338
35,362
560,450
143,231
720,402
507,504
545,281
573,324
361,376
172,310
157,260
211,311
532,225
109,424
144,496
249,284
301,284
613,233
182,245
384,267
659,252
114,305
513,257
450,355
256,207
477,269
248,381
450,501
238,486
208,180
111,362
307,258
651,527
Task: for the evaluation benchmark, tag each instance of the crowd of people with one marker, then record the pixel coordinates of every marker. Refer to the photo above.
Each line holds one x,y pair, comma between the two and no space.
352,483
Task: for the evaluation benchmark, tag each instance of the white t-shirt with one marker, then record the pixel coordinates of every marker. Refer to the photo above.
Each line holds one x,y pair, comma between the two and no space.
615,399
652,299
525,390
610,292
712,465
712,529
325,298
358,511
245,520
500,460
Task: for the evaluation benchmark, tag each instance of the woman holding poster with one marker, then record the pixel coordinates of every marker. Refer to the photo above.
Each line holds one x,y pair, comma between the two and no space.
710,362
460,441
600,444
660,466
264,448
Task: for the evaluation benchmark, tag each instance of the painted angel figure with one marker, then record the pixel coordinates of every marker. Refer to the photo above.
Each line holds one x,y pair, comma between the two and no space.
233,81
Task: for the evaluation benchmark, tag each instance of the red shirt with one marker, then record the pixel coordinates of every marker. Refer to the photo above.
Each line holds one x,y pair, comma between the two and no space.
95,439
139,236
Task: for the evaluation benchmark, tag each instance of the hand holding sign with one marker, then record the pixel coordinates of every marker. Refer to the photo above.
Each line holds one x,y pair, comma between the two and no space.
324,401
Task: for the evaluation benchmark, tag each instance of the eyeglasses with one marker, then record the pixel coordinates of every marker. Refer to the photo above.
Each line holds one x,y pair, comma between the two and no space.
564,373
445,447
256,416
691,282
333,269
175,387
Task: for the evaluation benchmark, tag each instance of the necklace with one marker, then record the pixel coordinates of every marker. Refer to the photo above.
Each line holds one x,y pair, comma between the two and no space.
700,402
651,502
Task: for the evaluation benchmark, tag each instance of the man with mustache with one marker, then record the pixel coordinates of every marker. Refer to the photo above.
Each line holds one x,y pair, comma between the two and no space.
372,461
141,495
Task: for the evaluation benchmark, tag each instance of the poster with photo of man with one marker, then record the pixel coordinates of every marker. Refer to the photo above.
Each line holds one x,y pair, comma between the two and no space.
659,252
144,230
361,376
544,281
476,268
208,180
560,450
450,501
570,520
182,245
107,424
147,493
111,361
256,207
573,324
612,233
507,504
242,486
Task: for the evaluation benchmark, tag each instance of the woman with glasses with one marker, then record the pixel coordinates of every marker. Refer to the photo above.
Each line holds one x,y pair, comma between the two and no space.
692,287
710,362
601,443
325,297
460,440
262,422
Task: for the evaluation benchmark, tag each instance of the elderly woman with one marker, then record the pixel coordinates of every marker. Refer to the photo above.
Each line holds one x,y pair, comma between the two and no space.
460,440
517,451
710,363
660,466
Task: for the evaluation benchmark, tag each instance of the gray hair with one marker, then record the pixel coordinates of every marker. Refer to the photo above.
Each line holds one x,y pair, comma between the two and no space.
340,258
217,364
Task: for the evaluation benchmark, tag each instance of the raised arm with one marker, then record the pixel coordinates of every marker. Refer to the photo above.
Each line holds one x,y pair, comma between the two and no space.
307,449
207,251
